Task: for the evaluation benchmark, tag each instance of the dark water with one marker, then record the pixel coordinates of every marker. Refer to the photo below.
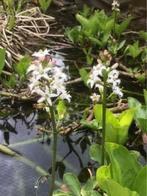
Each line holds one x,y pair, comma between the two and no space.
20,176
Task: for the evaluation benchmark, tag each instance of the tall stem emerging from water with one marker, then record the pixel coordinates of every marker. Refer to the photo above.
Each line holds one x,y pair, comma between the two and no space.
104,121
54,150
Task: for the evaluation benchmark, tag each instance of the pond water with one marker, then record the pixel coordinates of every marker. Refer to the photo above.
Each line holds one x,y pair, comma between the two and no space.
18,176
19,130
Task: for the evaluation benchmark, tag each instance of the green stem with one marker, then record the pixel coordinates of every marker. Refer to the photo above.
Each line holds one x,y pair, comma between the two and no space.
114,22
104,122
54,150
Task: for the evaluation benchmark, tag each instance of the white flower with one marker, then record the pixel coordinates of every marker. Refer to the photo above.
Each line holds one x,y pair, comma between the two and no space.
117,91
47,79
40,55
96,78
45,95
94,97
115,6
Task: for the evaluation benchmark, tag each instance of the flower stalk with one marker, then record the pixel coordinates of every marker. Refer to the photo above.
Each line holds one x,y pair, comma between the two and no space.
54,149
104,121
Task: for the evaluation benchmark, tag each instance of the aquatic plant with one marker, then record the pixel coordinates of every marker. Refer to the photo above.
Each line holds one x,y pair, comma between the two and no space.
44,4
140,112
123,175
73,187
47,81
101,77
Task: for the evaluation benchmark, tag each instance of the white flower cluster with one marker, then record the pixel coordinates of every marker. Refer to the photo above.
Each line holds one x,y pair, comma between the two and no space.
96,79
115,6
47,78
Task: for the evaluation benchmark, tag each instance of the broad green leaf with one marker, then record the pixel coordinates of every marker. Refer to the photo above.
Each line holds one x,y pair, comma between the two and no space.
141,118
133,103
126,117
116,126
139,184
84,75
102,174
73,183
2,59
140,113
95,152
124,167
61,109
115,189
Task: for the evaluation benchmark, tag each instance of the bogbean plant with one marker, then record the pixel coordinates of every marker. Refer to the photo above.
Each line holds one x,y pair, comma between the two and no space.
47,81
120,172
98,31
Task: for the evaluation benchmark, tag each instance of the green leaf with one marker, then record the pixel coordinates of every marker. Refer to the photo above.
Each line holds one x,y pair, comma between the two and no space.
140,113
84,75
2,59
73,183
141,118
120,28
88,188
82,20
124,167
22,65
90,184
126,117
117,126
121,44
134,50
61,109
74,34
61,193
143,35
139,184
95,152
109,25
93,125
114,189
145,96
11,82
44,4
133,103
102,174
90,193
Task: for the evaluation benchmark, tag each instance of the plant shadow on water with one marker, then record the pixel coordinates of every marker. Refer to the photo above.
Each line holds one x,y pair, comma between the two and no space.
19,131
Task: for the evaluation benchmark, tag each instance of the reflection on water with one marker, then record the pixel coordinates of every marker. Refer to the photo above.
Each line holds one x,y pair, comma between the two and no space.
19,131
